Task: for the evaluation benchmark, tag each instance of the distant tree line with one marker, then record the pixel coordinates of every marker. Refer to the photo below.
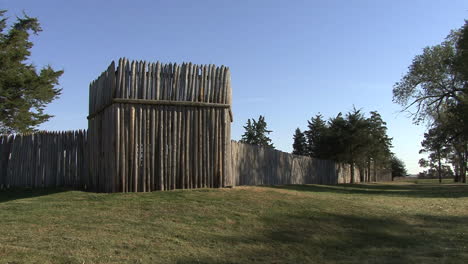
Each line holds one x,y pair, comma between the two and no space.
352,138
435,91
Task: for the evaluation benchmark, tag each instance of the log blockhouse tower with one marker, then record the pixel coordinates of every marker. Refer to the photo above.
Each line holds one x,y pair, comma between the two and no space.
154,126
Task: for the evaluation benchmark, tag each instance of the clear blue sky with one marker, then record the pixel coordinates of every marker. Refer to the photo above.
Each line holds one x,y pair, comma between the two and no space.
289,59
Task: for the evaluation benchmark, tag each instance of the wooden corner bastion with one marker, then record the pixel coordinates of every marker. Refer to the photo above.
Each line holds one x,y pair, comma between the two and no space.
156,126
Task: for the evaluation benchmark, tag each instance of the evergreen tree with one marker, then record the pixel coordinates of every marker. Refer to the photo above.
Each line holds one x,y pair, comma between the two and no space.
249,134
300,143
398,167
352,139
317,145
24,92
378,145
355,141
262,132
256,133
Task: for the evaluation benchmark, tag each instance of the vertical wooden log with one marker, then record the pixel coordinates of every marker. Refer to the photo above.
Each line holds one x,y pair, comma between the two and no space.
216,84
8,161
162,147
138,150
153,147
206,147
78,158
26,162
183,147
188,143
158,81
117,176
11,163
123,146
215,148
151,69
228,126
168,85
192,131
223,147
131,151
142,151
119,80
196,146
177,172
147,134
209,141
188,147
209,82
55,158
196,79
18,175
24,153
58,179
218,149
176,83
70,154
144,81
167,142
132,75
69,158
201,163
173,146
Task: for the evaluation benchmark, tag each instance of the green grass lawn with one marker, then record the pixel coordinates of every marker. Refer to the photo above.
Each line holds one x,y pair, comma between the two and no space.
405,222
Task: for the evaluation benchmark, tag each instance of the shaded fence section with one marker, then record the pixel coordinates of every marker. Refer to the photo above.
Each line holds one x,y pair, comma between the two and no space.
254,165
156,126
44,159
62,159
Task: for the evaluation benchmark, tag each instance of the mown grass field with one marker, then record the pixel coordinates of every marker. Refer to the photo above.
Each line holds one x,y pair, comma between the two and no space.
403,222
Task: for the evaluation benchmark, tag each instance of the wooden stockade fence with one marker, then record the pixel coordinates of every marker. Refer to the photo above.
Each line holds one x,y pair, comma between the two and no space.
156,126
255,165
60,159
44,159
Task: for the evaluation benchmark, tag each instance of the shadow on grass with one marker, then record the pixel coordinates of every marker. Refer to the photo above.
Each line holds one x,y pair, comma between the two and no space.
23,193
333,238
405,190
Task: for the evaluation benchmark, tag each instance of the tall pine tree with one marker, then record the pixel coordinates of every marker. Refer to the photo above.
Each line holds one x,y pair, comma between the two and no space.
300,143
316,135
24,92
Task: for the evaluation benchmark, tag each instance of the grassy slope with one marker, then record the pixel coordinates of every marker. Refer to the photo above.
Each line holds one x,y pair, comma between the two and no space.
375,223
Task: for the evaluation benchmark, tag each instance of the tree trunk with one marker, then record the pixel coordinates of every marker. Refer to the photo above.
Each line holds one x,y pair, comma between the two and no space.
459,166
369,170
439,167
361,174
352,173
375,172
464,159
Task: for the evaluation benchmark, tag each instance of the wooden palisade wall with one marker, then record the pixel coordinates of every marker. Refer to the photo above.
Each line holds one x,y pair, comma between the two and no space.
44,159
254,165
156,126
